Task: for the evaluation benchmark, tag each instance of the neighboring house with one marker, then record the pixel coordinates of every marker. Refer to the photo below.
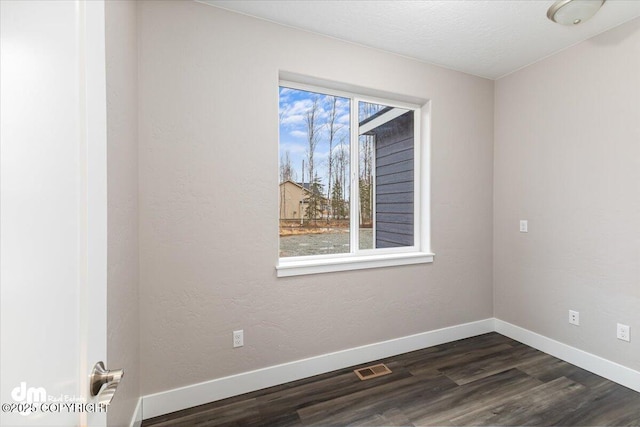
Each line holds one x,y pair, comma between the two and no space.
294,199
393,209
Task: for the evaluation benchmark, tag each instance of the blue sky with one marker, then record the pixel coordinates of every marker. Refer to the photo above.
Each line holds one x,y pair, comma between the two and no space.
294,104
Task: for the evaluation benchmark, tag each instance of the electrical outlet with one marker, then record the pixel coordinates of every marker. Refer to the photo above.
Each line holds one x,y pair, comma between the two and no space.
238,338
623,332
524,226
574,317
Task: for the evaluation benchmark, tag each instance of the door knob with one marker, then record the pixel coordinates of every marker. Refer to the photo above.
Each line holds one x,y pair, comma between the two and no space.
107,393
100,376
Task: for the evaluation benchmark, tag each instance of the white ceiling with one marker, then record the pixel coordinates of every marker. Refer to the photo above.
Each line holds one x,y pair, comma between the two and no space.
488,38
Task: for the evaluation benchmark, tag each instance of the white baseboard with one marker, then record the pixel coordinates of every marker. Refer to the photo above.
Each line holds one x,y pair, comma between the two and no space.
136,420
157,404
197,394
605,368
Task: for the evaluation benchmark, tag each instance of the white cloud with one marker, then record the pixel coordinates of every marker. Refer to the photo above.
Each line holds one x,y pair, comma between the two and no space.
340,147
292,119
292,148
298,134
300,107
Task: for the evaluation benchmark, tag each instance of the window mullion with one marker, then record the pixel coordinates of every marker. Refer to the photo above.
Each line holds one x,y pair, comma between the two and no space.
354,215
372,194
417,179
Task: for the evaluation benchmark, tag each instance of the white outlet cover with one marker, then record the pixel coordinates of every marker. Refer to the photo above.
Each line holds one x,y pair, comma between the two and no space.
238,338
574,317
623,332
524,226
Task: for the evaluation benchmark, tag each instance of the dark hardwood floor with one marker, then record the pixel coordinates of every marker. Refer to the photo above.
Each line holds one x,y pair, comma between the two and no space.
486,380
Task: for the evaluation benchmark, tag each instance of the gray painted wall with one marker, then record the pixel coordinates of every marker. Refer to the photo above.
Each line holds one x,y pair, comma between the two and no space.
208,92
123,324
567,158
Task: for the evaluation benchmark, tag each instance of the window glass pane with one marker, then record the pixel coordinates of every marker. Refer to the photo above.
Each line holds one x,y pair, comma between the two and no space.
314,182
367,109
386,176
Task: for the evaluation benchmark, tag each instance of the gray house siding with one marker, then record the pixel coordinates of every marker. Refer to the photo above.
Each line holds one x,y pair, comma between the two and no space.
394,182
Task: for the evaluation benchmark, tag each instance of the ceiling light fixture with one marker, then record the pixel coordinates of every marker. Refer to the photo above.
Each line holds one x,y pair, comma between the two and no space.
573,12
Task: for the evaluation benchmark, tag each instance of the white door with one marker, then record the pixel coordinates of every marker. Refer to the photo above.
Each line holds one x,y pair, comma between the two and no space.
52,210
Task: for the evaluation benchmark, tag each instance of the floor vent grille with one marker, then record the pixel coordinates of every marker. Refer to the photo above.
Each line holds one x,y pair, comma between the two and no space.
372,371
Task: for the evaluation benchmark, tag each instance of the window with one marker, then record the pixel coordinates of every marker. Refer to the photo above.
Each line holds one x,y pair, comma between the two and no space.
352,182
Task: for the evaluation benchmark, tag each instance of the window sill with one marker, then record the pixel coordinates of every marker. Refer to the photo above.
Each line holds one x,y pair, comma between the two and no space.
316,266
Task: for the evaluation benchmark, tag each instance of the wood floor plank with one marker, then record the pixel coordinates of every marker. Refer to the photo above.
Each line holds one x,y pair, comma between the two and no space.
536,406
548,368
490,364
294,398
608,404
350,408
453,349
462,351
445,359
288,419
390,418
245,412
470,397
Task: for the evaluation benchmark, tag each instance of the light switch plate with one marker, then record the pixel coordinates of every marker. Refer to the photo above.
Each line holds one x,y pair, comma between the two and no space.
524,226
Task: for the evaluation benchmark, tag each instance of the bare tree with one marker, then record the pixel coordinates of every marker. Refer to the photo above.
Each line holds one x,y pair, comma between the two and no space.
367,146
313,134
341,172
333,128
287,172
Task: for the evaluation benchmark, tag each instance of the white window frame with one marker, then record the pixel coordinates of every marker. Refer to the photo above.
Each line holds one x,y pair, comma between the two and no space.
357,258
